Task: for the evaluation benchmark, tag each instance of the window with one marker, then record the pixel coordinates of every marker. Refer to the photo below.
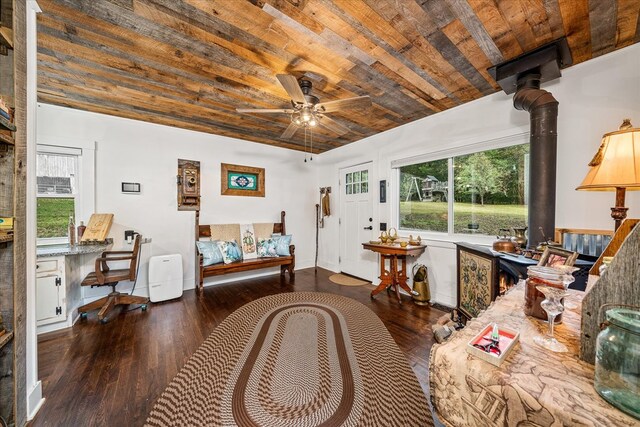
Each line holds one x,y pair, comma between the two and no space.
357,182
488,193
57,193
423,196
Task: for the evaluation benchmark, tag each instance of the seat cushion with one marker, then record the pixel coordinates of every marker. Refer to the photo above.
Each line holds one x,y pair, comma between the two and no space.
245,265
110,276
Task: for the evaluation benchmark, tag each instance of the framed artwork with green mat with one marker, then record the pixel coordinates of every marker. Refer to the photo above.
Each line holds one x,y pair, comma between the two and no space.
237,180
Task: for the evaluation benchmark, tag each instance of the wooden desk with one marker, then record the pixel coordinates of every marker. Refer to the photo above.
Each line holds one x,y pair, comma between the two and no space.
533,386
393,277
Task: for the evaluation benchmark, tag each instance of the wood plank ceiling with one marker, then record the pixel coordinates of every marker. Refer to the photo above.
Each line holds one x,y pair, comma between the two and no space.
191,63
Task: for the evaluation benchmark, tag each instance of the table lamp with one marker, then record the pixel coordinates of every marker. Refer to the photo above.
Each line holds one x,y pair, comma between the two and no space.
616,167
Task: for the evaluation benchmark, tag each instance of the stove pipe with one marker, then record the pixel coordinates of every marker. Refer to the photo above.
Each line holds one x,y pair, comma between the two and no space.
543,111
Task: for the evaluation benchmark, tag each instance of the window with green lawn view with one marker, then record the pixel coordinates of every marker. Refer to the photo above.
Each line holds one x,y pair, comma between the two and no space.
57,193
488,193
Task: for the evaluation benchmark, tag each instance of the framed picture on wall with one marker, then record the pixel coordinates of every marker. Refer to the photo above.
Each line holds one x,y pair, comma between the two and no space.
478,284
237,180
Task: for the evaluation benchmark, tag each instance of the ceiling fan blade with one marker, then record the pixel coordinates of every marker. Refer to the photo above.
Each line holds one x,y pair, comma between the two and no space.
343,104
291,85
265,110
333,126
289,131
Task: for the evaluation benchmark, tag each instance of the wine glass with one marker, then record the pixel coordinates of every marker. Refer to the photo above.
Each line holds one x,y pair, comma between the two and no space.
553,307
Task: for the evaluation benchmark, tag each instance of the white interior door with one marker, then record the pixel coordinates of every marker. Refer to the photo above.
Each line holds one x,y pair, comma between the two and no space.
356,222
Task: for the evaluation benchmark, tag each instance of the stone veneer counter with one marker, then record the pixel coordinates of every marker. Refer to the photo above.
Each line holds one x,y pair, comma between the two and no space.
60,250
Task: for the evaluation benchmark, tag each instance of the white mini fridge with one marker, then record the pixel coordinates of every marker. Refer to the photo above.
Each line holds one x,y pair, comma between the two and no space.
165,277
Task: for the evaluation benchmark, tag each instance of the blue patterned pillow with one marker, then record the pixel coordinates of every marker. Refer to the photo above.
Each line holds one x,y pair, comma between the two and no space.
230,251
282,244
210,252
267,248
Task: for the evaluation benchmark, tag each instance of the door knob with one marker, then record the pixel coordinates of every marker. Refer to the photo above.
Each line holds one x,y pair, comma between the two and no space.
369,227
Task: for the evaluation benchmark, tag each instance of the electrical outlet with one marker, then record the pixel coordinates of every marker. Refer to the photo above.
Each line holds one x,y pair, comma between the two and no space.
383,226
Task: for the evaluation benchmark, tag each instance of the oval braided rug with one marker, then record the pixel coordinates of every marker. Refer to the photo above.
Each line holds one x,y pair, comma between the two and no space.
296,359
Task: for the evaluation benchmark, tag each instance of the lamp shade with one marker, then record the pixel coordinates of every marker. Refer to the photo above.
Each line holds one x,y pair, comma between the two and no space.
617,162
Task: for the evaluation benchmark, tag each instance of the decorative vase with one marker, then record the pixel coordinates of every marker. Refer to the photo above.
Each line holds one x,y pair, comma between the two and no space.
519,237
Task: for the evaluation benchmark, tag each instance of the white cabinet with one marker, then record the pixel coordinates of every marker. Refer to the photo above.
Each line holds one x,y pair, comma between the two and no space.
59,273
58,294
50,299
50,291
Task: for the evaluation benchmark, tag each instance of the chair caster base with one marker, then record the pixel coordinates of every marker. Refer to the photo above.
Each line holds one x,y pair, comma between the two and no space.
83,315
144,307
104,321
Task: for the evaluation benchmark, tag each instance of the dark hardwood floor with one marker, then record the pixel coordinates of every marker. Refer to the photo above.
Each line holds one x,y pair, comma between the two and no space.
98,375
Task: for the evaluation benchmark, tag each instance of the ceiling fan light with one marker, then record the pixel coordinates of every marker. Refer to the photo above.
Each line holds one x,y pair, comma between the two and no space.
313,122
297,121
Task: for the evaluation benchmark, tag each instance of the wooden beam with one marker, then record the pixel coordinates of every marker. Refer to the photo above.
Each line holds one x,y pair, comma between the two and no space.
473,25
575,18
500,31
555,18
528,22
626,22
603,16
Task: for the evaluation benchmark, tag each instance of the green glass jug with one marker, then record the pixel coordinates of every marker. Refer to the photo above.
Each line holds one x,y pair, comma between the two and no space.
617,377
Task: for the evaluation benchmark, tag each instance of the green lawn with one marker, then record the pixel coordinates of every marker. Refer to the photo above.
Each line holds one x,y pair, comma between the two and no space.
432,216
53,216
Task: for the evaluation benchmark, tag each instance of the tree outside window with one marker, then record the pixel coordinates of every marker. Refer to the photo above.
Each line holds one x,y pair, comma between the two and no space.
489,192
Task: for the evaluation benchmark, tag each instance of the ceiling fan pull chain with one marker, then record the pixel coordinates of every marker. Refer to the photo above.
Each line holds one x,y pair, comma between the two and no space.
305,144
311,148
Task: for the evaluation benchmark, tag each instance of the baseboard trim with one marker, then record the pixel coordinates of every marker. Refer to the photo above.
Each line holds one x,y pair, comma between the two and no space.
34,400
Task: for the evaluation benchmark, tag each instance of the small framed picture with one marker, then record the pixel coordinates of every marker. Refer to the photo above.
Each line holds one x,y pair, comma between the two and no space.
552,257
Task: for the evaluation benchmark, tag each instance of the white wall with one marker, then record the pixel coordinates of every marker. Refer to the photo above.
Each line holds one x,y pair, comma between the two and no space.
134,151
594,98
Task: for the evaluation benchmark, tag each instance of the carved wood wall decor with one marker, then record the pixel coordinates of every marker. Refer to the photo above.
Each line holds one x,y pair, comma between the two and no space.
190,63
188,185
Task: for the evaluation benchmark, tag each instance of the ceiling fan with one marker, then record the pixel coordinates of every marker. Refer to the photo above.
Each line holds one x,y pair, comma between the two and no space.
306,110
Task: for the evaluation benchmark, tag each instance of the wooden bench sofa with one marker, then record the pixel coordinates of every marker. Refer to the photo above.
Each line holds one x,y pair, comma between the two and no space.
286,263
